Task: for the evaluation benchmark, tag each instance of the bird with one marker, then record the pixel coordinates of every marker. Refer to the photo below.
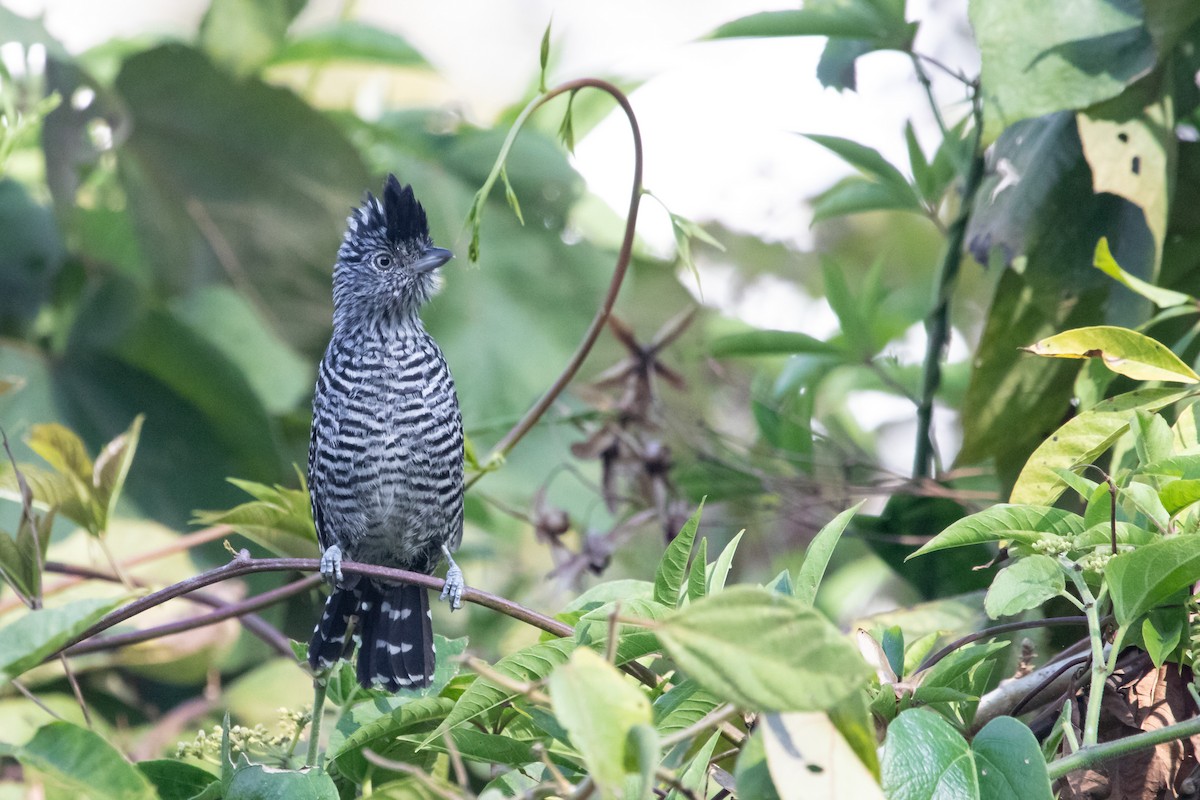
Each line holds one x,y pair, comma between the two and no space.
385,458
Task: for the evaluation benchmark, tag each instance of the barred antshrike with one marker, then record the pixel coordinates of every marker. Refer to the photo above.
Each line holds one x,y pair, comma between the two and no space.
385,461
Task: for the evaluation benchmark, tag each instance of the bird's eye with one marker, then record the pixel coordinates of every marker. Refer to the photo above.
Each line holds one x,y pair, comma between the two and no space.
383,260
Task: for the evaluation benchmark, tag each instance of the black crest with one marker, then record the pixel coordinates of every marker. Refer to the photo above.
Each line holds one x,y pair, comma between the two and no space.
404,219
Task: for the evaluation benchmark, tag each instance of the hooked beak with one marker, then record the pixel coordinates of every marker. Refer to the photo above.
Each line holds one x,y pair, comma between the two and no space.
431,259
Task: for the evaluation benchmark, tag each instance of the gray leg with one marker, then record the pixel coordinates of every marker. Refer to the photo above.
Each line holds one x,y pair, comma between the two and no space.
453,590
331,565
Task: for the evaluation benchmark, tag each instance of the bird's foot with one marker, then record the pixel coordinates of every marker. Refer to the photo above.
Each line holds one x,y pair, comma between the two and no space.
453,590
331,565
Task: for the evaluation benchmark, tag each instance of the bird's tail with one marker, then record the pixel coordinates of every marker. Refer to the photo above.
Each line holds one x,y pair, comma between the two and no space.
329,640
397,636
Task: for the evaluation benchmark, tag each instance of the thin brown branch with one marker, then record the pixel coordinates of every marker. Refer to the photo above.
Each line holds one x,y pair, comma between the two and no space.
224,611
243,564
997,630
252,622
523,426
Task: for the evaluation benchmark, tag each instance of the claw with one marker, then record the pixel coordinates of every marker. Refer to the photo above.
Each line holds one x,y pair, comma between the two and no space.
331,565
453,590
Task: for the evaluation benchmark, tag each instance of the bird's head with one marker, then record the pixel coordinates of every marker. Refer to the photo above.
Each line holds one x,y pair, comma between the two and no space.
387,265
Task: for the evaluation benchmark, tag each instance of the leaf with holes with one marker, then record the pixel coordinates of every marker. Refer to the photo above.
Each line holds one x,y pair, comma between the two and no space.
1124,351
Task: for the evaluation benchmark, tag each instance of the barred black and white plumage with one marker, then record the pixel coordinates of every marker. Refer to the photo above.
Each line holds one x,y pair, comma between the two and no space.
385,460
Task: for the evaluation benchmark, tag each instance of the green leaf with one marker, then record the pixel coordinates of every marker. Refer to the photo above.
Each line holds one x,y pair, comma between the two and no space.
1024,584
855,195
924,758
1163,298
243,34
31,637
1153,437
272,208
1081,440
1162,631
668,581
682,705
82,761
769,343
1004,522
865,159
1043,57
599,707
696,587
1143,498
176,780
350,40
843,21
1139,580
112,467
256,782
718,572
279,376
530,664
808,757
851,311
923,174
1178,495
544,56
399,715
693,778
279,519
751,772
644,749
818,553
1009,762
763,651
1124,351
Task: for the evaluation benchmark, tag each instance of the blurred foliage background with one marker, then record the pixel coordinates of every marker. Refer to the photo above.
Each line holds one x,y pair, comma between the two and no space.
169,222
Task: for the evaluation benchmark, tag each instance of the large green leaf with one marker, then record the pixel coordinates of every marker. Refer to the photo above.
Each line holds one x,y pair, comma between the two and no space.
33,251
1003,522
256,782
924,758
1044,57
599,707
82,761
763,651
1024,584
534,663
26,641
1081,440
1009,762
176,780
264,209
349,40
243,34
1140,580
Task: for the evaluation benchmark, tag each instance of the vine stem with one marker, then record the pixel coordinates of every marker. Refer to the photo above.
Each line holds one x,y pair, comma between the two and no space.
1087,755
531,417
937,324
